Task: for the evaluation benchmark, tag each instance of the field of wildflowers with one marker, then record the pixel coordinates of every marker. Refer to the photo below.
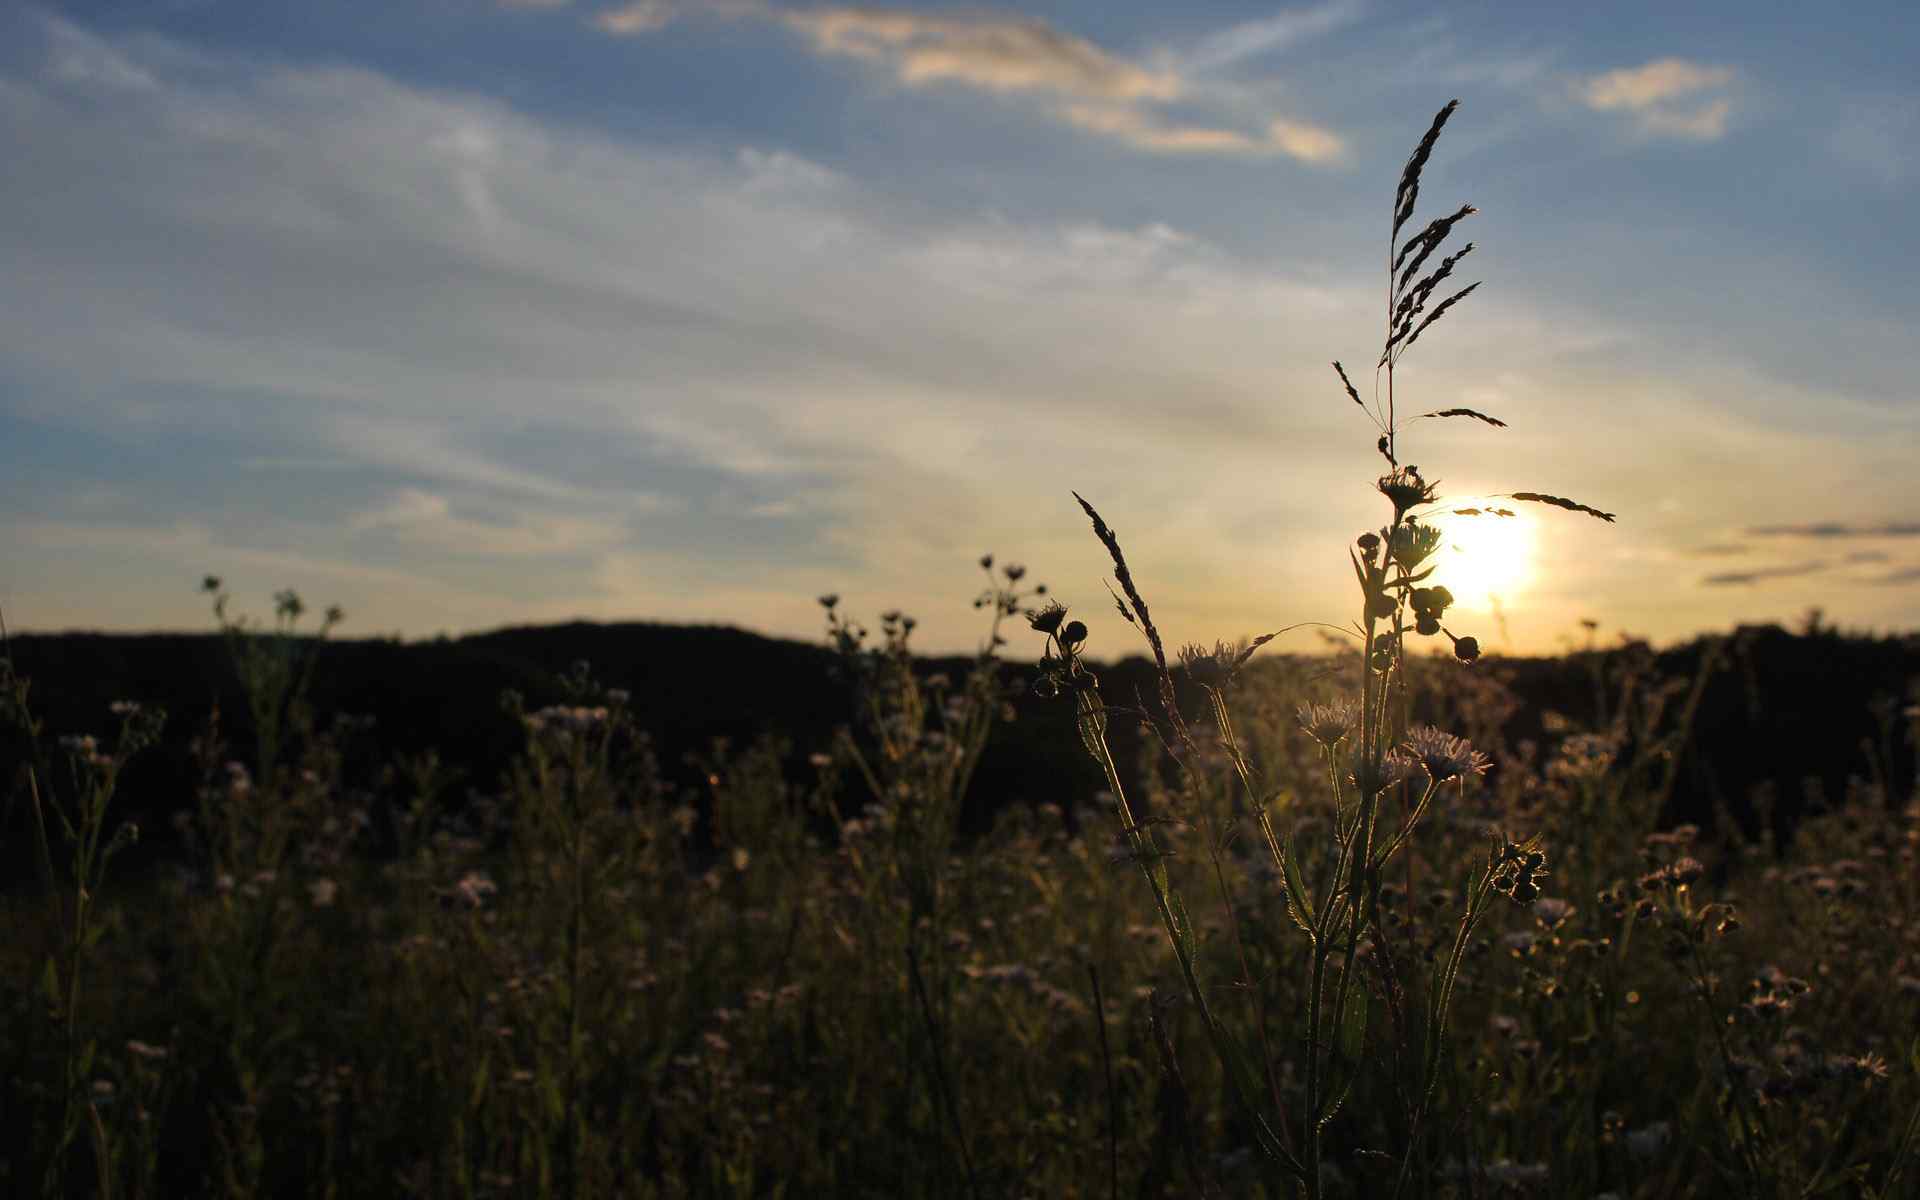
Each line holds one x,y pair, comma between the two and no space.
1335,934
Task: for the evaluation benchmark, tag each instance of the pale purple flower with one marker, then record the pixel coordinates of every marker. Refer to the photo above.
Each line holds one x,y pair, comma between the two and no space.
1443,755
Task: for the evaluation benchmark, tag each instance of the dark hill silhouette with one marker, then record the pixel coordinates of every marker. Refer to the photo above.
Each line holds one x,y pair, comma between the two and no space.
1788,712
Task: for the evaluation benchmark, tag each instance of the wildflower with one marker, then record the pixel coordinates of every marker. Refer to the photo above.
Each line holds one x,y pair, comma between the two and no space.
1444,755
323,892
140,1049
1328,723
1413,543
1048,619
1466,649
1866,1066
124,708
1585,756
474,888
1406,489
1219,667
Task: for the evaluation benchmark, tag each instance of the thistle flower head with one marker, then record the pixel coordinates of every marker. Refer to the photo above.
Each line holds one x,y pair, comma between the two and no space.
1213,668
1219,667
1412,543
1406,489
1443,755
1328,723
1047,620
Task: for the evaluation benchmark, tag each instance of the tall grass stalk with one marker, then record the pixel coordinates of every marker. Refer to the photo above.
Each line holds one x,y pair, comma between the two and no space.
1342,916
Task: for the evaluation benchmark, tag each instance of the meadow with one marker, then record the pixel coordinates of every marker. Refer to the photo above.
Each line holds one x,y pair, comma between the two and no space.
1306,926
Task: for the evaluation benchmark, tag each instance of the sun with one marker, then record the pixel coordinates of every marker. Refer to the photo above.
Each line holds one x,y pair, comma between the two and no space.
1485,560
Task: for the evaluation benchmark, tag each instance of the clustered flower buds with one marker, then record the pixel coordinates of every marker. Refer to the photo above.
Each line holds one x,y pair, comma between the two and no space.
1517,870
1061,668
1429,605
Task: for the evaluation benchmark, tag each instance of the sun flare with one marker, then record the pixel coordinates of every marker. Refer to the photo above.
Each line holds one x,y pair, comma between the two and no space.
1485,560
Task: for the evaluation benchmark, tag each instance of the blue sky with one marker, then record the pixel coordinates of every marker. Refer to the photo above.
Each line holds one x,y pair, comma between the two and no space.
460,314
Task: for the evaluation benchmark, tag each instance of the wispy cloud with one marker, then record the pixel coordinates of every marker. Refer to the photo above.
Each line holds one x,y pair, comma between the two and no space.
1305,141
1269,35
1761,574
998,52
426,520
1143,130
1663,97
1067,77
1704,124
1146,131
1638,89
1839,529
634,17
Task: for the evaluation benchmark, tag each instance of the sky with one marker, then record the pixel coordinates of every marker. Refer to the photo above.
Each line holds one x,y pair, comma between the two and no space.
460,314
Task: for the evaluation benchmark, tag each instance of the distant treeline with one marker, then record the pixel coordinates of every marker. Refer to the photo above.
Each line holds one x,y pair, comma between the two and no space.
1797,714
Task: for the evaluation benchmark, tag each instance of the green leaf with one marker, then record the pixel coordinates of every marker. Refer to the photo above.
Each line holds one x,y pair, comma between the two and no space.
50,984
1353,1023
1299,904
478,1093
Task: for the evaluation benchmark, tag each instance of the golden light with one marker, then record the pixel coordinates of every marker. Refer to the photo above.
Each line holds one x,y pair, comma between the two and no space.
1485,559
